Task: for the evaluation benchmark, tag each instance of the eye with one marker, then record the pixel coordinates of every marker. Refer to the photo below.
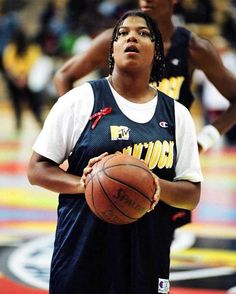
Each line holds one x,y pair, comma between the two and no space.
122,32
145,33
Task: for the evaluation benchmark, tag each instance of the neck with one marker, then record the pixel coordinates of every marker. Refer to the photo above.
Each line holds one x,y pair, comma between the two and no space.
167,29
163,18
135,89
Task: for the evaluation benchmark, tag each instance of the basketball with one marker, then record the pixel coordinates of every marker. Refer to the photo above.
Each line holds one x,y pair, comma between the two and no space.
120,189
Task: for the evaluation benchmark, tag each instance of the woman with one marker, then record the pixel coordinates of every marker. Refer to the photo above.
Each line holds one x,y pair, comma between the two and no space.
184,53
91,256
19,56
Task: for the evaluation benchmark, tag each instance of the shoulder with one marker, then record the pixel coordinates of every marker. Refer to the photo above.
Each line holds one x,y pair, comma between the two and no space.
182,114
165,96
203,54
180,107
77,98
200,43
166,100
202,46
179,30
77,94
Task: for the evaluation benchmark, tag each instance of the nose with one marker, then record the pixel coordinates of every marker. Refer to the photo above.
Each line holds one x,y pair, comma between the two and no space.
132,37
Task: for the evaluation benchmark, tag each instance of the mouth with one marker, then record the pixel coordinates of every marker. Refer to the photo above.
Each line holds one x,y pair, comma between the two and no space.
146,8
131,49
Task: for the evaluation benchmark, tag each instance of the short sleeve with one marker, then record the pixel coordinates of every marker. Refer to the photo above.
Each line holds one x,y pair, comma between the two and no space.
65,123
188,162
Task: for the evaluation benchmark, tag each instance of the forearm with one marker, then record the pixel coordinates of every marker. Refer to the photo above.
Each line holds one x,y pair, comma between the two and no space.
210,134
181,194
226,120
62,83
54,178
74,69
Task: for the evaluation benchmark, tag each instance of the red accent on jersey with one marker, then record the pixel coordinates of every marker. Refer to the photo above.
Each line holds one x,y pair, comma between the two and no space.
178,215
99,115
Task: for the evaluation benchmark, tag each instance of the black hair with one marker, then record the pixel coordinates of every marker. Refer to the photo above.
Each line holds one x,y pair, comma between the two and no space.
19,38
158,66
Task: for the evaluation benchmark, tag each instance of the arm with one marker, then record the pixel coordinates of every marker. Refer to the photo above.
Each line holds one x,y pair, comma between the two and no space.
184,191
79,66
181,194
204,56
47,174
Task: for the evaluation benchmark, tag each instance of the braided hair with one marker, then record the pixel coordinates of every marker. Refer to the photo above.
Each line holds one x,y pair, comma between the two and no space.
158,66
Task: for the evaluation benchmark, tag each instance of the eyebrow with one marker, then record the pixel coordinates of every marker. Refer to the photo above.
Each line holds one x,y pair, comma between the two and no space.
141,27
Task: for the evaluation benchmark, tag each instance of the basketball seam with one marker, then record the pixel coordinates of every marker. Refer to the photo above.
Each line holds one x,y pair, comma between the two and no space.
125,183
93,200
112,200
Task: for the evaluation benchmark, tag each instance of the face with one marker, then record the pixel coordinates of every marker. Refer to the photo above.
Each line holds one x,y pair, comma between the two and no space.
157,8
134,47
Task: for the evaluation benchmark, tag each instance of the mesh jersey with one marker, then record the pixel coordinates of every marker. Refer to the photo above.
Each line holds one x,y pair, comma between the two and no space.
176,84
91,256
176,81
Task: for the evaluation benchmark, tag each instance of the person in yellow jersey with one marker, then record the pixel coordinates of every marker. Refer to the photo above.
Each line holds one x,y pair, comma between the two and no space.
18,58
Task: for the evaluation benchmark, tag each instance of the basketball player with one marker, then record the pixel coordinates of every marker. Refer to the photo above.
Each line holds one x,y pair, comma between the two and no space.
184,52
92,256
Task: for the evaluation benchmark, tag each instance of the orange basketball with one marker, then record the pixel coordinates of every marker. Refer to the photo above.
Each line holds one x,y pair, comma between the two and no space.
120,189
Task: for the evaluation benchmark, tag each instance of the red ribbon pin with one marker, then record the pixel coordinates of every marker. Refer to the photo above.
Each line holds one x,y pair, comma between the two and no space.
99,115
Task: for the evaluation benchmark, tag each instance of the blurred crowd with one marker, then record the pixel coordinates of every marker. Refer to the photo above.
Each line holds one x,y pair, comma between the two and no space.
63,28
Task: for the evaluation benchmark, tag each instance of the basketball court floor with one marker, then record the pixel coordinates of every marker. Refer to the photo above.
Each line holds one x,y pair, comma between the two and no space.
203,256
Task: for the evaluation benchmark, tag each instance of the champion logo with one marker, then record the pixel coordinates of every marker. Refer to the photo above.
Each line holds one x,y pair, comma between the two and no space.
175,61
163,124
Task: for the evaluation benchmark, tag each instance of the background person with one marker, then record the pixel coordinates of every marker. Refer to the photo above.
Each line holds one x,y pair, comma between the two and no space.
212,108
19,57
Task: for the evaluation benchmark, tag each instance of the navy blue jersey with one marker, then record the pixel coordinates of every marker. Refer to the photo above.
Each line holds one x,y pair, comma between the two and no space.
92,256
177,82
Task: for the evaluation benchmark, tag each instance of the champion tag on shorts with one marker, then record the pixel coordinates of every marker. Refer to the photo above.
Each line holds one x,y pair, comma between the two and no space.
163,286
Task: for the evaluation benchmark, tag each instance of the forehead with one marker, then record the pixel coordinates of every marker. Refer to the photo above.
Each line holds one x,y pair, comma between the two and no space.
134,21
160,2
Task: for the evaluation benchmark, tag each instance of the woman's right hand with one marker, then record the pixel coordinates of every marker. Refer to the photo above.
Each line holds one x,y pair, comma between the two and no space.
88,169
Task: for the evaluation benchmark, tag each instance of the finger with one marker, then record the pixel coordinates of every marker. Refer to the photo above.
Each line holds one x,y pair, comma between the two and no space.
156,196
93,160
158,192
87,170
103,155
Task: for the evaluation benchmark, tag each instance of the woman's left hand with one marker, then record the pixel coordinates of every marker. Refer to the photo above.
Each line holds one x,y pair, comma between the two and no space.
156,196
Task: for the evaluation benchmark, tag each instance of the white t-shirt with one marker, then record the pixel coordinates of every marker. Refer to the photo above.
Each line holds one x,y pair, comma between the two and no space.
70,114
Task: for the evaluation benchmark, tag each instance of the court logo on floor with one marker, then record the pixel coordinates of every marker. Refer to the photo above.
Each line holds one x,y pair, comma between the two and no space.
30,263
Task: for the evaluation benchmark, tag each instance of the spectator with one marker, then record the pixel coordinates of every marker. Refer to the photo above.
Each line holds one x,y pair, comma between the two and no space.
8,25
18,59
